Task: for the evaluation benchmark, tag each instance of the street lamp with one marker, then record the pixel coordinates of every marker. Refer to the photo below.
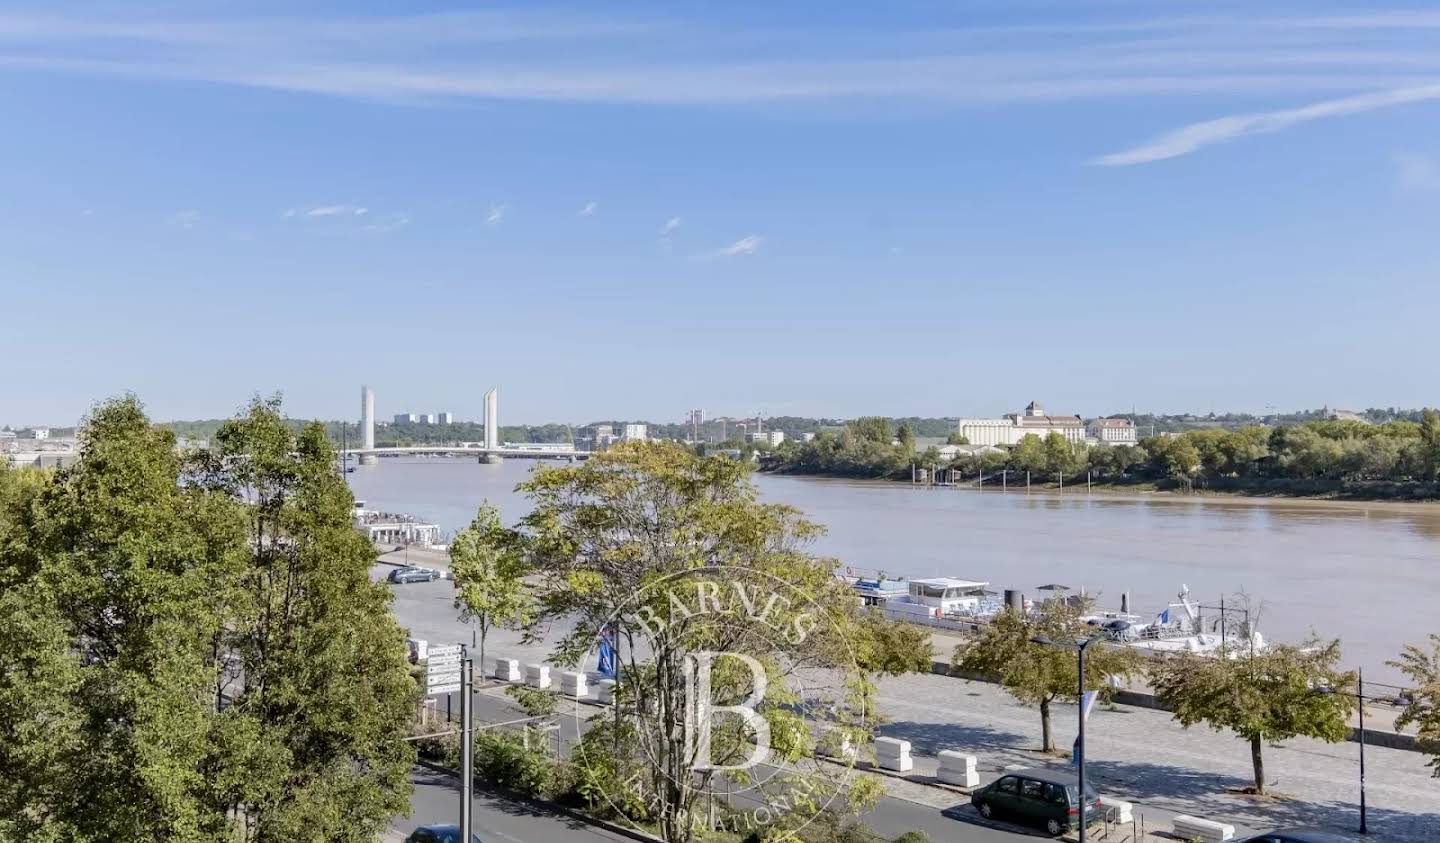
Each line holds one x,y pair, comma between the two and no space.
1360,703
1079,645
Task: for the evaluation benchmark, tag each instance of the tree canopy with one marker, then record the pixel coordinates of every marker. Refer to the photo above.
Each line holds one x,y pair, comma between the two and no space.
193,647
674,555
1282,692
1038,673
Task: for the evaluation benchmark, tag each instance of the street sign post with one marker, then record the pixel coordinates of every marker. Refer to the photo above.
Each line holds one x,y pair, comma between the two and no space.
442,671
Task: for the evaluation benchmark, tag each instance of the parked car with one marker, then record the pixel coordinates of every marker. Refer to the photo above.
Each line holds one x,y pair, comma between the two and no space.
1047,798
404,575
446,833
1298,835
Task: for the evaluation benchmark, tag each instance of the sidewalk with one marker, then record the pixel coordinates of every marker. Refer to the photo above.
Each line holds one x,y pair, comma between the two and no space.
1137,754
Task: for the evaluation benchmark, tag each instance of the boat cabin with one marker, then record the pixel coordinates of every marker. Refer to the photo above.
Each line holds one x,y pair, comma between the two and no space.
948,595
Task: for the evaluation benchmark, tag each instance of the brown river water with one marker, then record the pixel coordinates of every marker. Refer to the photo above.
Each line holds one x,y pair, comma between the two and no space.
1369,574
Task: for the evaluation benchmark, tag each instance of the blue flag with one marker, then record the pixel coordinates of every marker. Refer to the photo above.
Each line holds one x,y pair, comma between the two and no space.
607,653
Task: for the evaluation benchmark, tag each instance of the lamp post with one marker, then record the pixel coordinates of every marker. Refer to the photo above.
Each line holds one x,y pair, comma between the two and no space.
1079,646
1360,703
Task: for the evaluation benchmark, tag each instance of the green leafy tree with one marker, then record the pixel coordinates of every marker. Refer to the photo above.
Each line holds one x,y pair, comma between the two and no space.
1060,457
489,569
956,439
1267,696
871,429
124,547
1430,443
906,435
40,672
607,538
1029,454
310,743
1423,708
1041,674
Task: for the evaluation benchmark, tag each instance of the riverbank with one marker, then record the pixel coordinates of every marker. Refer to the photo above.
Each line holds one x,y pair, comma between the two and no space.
1421,496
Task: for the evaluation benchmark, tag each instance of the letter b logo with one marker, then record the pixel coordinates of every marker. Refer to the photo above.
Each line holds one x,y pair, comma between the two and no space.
700,708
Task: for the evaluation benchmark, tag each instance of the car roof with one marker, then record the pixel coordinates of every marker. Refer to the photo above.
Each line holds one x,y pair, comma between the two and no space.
1044,774
439,827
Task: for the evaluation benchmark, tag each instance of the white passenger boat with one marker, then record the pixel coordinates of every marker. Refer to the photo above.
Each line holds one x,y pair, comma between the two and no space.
1180,628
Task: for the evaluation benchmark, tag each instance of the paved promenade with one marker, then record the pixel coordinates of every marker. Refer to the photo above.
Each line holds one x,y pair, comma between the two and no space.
1137,754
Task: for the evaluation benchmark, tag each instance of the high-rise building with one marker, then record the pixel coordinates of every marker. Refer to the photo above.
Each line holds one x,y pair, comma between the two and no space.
444,418
634,433
407,418
427,418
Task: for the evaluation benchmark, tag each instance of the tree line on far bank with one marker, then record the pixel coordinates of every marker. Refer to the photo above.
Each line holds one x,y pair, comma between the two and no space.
1318,454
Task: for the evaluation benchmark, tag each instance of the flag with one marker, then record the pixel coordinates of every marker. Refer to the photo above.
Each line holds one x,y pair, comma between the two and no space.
607,653
1165,617
1087,702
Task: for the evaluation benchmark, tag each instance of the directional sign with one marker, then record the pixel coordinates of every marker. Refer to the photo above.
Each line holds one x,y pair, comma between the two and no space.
442,670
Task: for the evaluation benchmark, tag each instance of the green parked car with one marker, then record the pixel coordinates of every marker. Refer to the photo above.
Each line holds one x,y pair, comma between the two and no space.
1047,798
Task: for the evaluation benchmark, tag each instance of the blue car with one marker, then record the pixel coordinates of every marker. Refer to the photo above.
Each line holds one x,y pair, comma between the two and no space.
448,833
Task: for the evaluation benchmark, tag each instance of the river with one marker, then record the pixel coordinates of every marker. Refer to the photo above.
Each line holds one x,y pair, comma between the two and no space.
1367,574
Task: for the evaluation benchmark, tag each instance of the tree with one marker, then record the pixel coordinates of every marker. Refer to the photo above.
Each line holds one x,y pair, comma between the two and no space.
1059,455
1430,442
956,439
1029,454
1267,696
1423,708
117,568
871,429
1041,674
489,571
906,435
311,741
675,556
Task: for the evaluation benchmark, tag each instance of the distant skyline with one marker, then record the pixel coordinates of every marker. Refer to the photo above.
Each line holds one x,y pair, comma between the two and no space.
813,209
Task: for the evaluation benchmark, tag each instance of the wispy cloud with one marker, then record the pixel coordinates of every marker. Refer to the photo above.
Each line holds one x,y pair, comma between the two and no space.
1078,52
322,211
670,226
386,224
1188,139
496,214
589,209
1416,172
747,245
187,219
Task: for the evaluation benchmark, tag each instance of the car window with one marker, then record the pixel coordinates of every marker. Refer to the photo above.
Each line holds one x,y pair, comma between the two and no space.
1056,794
1007,785
422,836
1031,789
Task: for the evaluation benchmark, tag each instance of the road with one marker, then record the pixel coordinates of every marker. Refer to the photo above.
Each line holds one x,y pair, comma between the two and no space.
500,821
497,820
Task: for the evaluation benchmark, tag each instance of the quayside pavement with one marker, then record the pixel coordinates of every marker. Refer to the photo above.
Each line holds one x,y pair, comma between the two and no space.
1141,755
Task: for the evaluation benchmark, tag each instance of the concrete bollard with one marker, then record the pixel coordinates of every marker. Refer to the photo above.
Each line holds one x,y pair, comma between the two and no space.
574,684
958,768
508,670
893,754
1118,809
537,675
1194,828
605,691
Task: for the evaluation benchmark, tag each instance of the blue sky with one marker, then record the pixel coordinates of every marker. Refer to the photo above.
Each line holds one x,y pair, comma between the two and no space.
627,210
